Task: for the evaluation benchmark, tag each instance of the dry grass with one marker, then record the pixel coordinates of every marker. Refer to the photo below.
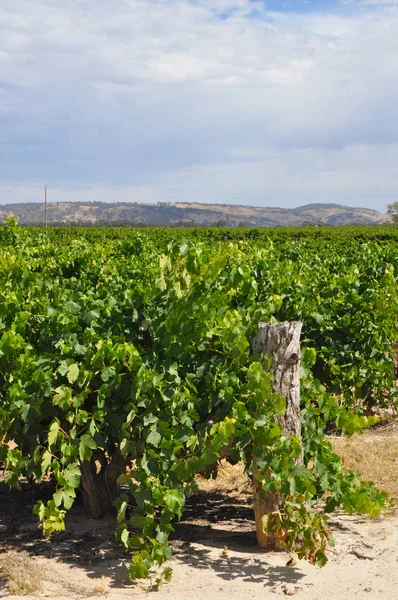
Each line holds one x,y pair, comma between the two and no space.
102,587
231,480
20,573
374,456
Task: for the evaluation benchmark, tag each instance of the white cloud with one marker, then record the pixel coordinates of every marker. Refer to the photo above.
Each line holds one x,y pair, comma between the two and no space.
124,93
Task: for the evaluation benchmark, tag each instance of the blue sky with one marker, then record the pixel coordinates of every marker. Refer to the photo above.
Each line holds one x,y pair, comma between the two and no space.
270,103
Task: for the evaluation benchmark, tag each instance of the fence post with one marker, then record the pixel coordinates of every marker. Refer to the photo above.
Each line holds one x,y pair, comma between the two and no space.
281,342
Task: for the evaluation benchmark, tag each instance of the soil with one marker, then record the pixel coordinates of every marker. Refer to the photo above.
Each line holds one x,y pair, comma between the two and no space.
214,555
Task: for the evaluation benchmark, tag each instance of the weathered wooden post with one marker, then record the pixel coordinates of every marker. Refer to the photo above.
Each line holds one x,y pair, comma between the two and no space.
281,342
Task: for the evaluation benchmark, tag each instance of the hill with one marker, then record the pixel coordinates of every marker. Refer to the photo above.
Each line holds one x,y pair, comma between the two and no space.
184,213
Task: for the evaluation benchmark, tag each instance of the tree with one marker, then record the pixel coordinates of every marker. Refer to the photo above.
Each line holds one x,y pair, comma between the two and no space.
392,210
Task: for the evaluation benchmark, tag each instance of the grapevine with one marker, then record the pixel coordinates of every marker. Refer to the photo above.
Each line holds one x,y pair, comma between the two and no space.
126,369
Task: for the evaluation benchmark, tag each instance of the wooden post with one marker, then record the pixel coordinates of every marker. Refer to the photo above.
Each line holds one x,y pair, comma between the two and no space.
281,342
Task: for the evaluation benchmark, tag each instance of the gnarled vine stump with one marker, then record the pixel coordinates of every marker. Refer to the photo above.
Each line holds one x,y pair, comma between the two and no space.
98,482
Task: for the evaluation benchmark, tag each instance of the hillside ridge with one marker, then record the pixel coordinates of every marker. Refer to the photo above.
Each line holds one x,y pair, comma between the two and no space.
191,214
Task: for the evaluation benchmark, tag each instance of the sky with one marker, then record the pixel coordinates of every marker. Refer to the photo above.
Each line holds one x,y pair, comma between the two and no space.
273,103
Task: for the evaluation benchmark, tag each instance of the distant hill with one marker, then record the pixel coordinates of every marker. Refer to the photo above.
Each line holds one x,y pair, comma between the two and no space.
180,213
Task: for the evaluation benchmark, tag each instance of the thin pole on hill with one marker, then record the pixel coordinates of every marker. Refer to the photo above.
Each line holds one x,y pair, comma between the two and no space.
45,205
281,343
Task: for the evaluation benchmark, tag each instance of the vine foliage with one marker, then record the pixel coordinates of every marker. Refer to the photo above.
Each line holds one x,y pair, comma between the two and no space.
125,371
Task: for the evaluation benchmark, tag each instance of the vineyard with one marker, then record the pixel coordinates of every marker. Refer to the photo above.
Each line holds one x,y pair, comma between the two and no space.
126,369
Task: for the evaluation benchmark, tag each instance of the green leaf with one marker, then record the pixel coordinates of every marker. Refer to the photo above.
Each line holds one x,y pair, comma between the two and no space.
192,441
167,574
63,397
80,350
73,373
87,444
68,500
154,438
65,496
162,538
51,517
46,460
321,558
107,373
138,571
121,515
72,307
25,412
53,432
72,475
124,537
174,500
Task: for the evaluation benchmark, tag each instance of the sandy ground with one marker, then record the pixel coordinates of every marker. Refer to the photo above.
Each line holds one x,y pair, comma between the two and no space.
219,559
215,555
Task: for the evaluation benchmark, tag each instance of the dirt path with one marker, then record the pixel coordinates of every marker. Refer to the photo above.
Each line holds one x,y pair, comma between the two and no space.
215,556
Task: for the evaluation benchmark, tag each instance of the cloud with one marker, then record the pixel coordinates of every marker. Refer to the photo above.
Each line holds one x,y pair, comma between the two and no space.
138,93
